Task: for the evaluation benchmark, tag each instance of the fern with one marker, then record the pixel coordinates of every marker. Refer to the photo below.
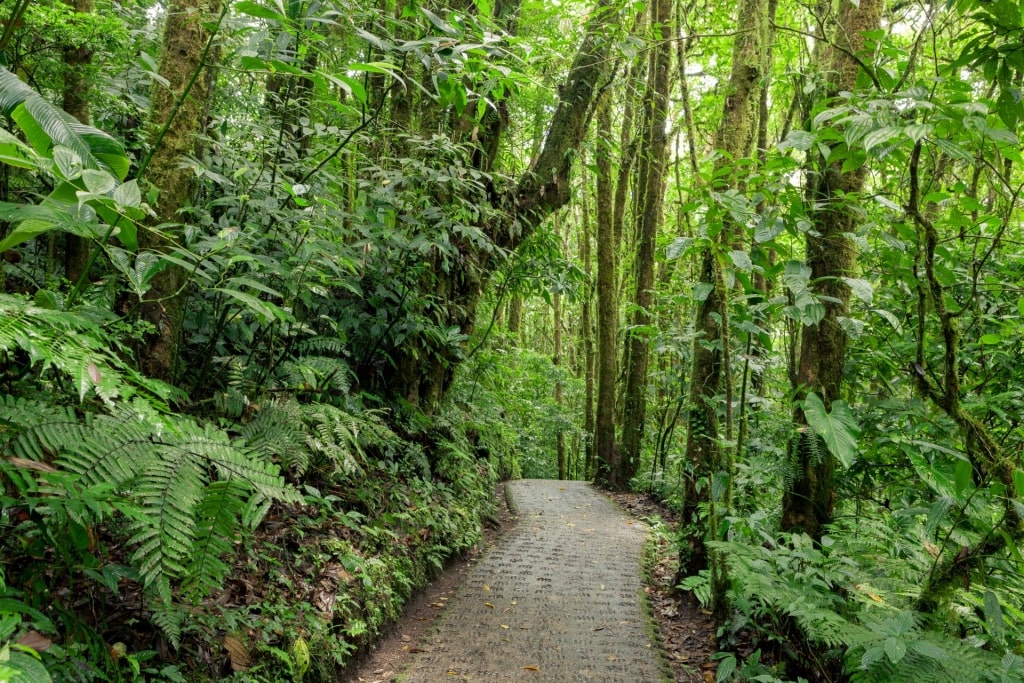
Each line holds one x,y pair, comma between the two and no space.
896,649
319,373
218,522
188,483
277,433
77,347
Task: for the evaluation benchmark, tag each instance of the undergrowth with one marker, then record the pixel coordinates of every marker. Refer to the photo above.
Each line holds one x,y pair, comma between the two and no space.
140,543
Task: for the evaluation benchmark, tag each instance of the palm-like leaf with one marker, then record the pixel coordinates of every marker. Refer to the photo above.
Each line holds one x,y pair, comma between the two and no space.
46,126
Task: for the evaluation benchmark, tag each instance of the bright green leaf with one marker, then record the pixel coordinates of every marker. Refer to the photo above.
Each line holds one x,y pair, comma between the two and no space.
837,429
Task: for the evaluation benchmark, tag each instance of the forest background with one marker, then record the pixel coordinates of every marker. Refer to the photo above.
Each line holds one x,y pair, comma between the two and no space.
287,286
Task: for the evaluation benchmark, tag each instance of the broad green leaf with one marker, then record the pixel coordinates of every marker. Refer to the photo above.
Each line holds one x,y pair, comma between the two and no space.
768,228
27,669
953,149
68,163
264,310
990,339
254,9
881,136
963,477
994,617
1000,135
741,260
917,131
128,194
1018,482
14,152
860,288
98,182
349,85
46,126
797,139
895,649
439,22
837,429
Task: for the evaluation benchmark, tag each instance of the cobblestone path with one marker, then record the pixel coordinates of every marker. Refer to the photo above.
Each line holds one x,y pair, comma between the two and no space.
558,600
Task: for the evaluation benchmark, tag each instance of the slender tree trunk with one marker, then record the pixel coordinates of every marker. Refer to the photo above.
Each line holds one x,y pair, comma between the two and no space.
651,177
556,360
75,101
587,337
422,375
605,450
808,501
179,111
709,479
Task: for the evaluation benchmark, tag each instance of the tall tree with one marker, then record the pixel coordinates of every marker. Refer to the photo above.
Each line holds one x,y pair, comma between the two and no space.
710,465
651,199
606,451
179,114
421,374
75,101
808,500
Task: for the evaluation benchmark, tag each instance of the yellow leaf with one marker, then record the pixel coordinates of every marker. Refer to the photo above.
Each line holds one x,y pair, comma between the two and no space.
532,668
504,625
487,604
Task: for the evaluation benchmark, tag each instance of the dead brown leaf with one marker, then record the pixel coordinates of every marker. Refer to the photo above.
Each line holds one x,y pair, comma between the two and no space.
240,660
35,640
26,464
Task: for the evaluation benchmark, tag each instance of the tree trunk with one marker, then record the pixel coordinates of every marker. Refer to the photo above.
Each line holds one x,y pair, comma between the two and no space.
421,376
75,101
734,137
651,177
556,360
606,451
179,112
587,338
808,500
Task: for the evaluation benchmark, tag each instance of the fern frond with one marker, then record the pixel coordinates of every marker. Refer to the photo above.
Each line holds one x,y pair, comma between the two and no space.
276,433
315,372
168,492
75,345
218,524
926,657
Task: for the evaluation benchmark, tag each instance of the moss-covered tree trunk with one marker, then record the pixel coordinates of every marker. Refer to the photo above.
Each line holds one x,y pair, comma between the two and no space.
733,138
651,174
587,339
606,452
420,375
179,113
808,500
75,101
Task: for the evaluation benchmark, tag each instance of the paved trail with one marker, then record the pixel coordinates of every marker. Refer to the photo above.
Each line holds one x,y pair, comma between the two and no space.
558,600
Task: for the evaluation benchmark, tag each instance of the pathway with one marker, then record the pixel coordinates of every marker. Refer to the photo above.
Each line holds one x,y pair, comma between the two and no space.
558,600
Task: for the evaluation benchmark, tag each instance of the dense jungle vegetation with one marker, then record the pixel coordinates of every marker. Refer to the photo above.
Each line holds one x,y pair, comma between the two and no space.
289,285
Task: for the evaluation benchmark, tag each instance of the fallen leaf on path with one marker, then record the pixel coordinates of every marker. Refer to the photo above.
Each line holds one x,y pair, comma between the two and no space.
487,604
504,626
532,668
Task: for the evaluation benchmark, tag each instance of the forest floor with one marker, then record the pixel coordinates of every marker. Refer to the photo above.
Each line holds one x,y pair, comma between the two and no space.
560,580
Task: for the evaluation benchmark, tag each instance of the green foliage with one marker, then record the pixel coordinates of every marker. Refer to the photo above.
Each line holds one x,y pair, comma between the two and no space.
70,349
838,428
46,127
